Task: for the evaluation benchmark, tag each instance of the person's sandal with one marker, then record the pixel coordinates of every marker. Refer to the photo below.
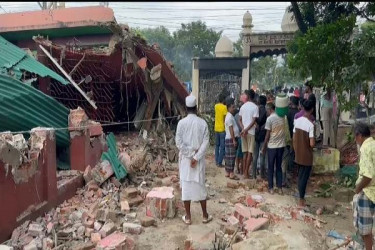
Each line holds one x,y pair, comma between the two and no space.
187,222
208,219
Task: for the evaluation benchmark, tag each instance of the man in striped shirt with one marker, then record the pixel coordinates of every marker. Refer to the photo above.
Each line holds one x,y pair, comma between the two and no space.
303,143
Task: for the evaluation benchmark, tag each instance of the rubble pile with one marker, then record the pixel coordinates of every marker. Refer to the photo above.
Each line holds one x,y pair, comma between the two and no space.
154,153
96,216
103,214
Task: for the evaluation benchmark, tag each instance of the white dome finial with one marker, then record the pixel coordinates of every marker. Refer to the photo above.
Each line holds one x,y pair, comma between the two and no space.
288,23
247,19
224,47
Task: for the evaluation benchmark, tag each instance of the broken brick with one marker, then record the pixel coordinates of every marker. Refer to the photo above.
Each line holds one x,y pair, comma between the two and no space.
47,244
135,201
107,229
95,129
84,246
233,220
251,202
102,171
228,229
199,237
89,231
117,240
116,182
132,228
87,221
129,193
31,246
95,237
106,214
92,186
253,224
35,229
247,183
161,203
50,227
243,213
97,225
125,208
87,174
147,221
231,184
77,119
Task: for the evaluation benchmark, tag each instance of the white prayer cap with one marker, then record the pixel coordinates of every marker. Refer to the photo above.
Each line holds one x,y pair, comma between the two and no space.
191,101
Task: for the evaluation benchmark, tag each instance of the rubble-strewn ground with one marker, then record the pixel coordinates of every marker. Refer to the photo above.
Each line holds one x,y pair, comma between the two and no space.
99,210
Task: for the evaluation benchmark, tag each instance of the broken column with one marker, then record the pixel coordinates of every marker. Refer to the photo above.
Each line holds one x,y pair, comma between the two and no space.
28,173
161,203
85,136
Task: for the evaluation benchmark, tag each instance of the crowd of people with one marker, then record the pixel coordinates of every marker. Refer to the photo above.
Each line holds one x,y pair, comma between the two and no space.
266,137
280,130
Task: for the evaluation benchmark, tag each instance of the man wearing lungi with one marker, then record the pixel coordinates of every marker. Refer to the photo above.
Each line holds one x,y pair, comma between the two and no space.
192,139
232,134
364,198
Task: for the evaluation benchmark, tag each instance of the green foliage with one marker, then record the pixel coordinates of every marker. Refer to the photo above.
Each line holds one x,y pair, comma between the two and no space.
349,136
266,73
162,36
326,54
238,51
317,13
194,39
210,119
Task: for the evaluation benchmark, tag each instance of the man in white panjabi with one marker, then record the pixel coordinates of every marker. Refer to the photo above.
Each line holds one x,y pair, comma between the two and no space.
192,140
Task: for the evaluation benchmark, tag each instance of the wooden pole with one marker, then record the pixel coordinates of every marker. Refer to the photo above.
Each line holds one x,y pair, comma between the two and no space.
68,77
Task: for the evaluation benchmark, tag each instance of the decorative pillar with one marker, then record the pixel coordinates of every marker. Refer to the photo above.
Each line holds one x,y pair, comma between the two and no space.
246,43
195,79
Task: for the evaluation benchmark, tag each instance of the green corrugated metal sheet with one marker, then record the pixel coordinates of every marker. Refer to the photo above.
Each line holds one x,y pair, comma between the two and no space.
112,157
13,57
23,108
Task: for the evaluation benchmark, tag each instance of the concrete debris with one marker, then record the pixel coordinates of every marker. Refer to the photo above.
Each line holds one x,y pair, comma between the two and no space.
161,203
88,218
155,154
262,240
132,228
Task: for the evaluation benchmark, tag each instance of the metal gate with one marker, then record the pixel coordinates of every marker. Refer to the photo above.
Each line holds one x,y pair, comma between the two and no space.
212,83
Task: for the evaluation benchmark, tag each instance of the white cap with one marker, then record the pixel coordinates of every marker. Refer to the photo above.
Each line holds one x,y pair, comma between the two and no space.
191,101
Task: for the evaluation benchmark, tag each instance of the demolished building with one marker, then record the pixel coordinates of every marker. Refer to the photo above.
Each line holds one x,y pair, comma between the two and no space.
55,60
127,79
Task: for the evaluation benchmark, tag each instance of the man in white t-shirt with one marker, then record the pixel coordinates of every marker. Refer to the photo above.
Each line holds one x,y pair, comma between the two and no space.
248,113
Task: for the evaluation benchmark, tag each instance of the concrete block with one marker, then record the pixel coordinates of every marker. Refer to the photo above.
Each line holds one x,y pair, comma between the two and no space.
147,221
132,228
161,203
107,229
118,241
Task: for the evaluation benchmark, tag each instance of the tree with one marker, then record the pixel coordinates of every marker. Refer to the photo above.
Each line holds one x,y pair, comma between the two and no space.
311,14
161,36
238,48
193,40
325,54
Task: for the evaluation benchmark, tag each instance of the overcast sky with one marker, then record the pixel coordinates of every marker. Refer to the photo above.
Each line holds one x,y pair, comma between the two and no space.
226,16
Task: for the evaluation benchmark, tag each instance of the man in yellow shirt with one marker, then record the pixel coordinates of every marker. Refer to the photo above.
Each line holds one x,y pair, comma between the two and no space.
364,199
220,113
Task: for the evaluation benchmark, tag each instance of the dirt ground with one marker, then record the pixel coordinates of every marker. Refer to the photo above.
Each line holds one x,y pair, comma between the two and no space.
172,233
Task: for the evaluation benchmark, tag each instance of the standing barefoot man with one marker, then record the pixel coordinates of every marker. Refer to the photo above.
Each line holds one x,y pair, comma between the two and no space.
192,140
